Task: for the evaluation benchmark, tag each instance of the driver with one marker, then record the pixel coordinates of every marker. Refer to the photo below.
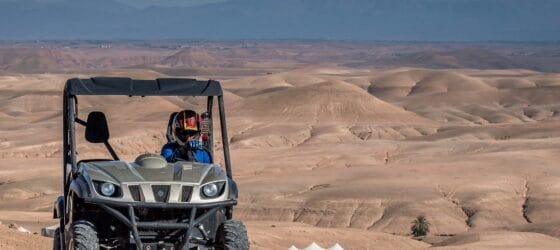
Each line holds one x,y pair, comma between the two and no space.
185,143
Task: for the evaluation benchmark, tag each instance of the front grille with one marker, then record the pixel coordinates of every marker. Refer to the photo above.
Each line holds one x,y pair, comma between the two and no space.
161,192
135,192
186,193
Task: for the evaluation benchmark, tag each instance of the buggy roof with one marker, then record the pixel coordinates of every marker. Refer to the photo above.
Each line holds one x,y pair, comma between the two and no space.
130,87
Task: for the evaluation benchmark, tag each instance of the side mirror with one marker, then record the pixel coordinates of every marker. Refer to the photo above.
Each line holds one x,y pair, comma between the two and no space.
97,130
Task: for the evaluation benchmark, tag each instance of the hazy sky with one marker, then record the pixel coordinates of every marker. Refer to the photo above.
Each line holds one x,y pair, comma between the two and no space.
387,20
145,3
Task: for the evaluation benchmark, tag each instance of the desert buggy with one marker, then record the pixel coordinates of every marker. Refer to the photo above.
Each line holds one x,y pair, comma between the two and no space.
148,203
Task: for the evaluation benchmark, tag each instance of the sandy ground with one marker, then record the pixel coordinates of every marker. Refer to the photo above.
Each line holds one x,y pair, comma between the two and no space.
331,154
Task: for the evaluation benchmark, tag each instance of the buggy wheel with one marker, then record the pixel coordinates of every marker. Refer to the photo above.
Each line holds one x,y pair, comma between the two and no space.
83,236
56,240
232,234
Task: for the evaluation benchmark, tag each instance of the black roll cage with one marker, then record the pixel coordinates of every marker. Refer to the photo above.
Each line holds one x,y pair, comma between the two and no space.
129,87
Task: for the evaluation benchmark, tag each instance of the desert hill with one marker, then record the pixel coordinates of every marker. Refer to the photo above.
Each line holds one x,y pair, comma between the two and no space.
34,60
193,58
352,153
467,97
509,240
257,59
476,58
315,113
325,102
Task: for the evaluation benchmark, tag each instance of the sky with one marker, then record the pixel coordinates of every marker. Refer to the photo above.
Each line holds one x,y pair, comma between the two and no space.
171,3
145,3
379,20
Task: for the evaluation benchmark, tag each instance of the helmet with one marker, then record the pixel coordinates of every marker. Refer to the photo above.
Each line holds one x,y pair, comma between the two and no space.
185,124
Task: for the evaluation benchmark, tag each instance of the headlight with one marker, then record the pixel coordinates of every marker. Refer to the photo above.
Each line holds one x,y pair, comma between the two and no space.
210,190
107,189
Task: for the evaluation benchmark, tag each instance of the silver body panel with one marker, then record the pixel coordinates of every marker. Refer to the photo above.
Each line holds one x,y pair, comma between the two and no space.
174,175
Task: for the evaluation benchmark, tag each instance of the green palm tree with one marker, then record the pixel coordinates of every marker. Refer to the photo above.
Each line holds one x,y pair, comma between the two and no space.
420,226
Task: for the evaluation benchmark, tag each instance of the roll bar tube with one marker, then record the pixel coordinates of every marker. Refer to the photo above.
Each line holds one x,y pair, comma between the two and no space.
225,140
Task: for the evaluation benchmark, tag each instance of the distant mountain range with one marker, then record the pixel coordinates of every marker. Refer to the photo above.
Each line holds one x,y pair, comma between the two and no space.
390,20
186,57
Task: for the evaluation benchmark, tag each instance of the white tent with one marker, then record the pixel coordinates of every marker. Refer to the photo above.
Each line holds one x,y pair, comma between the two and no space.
336,247
313,246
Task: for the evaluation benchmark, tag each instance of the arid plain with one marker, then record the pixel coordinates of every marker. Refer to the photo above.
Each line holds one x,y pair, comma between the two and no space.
331,142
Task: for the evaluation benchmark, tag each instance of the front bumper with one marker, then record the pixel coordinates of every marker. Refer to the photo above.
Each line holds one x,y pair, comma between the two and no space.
130,221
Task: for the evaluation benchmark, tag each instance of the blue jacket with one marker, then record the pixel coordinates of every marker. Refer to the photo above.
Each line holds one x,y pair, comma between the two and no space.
172,150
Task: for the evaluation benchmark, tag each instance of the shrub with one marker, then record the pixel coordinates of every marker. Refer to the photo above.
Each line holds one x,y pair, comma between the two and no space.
420,226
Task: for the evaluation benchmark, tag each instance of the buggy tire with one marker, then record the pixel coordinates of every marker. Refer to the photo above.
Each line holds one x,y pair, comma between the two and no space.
56,240
83,236
232,234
